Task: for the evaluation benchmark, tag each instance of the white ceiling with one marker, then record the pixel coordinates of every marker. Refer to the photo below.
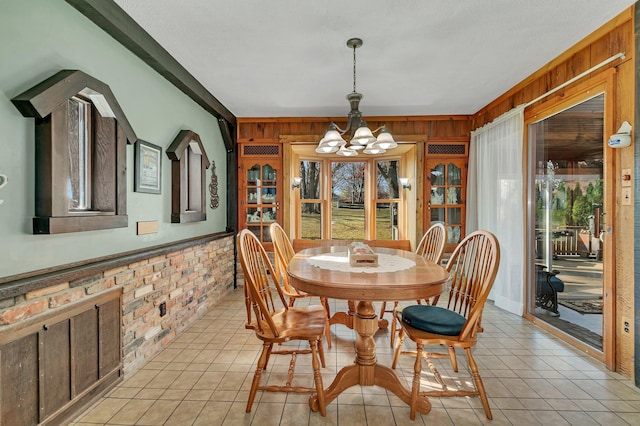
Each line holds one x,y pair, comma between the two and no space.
288,58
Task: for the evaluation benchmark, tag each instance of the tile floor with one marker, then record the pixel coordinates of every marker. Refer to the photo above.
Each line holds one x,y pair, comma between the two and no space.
203,378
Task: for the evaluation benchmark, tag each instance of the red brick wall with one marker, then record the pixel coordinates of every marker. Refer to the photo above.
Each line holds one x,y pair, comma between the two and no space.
188,280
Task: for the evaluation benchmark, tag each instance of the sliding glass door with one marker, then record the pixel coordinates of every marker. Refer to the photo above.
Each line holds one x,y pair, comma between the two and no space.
569,219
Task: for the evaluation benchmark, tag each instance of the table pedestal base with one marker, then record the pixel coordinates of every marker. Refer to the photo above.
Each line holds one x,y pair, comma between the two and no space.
366,371
346,318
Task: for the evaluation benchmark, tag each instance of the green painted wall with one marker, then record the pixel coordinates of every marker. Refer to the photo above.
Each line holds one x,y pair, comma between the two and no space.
37,39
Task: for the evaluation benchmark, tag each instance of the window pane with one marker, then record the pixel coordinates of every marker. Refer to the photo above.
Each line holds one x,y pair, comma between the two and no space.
437,195
387,221
194,180
454,216
310,180
268,175
268,196
455,174
77,122
437,175
347,207
311,221
387,180
437,215
453,234
453,195
253,175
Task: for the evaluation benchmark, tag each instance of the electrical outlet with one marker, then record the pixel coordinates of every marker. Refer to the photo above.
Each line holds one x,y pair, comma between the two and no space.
627,325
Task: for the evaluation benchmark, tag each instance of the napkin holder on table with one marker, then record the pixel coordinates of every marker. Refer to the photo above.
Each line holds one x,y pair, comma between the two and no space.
361,254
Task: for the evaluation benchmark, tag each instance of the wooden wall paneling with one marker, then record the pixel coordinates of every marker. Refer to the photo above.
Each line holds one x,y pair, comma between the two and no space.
109,336
420,191
84,351
19,381
103,163
43,152
624,246
614,37
55,367
50,362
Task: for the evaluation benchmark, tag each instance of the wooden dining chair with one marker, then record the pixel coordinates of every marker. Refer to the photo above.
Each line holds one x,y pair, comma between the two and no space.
472,267
275,322
283,252
431,247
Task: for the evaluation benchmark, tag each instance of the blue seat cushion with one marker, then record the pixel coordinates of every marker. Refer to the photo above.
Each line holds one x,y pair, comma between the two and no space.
433,319
557,283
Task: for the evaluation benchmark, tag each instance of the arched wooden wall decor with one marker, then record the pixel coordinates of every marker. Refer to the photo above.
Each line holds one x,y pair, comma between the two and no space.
213,187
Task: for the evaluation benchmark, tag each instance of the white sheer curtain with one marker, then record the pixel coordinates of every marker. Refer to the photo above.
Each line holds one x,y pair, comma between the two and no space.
495,200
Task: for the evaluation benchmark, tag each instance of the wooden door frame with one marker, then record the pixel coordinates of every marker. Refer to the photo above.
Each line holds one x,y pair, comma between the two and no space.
291,156
603,83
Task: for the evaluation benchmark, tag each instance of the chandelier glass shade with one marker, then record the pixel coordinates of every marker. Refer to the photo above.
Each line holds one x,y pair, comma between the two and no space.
360,137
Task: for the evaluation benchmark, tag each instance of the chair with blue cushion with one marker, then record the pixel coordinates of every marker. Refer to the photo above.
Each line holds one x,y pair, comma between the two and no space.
431,248
472,267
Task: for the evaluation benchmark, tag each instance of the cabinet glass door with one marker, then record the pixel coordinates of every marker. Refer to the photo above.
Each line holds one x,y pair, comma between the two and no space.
446,198
261,201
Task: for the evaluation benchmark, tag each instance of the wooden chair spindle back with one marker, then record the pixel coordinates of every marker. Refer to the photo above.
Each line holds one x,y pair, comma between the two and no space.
283,252
472,267
259,280
431,246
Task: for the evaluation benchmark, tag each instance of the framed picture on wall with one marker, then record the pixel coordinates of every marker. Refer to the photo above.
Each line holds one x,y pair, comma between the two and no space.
148,167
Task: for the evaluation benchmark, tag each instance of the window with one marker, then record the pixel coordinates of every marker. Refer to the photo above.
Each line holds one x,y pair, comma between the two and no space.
310,201
188,164
80,165
78,119
352,200
387,200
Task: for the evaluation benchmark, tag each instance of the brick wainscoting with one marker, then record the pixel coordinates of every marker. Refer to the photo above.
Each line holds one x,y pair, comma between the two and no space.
187,278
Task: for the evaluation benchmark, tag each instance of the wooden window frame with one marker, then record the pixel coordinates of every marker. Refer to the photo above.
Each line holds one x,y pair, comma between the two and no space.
109,133
188,201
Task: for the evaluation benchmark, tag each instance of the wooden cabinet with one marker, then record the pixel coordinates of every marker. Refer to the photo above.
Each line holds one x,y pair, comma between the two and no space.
260,190
445,188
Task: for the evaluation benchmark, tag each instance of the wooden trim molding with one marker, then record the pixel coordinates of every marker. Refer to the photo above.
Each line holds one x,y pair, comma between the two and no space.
17,285
93,194
189,162
115,22
43,98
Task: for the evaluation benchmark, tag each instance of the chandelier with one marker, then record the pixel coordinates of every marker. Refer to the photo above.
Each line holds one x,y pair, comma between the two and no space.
360,137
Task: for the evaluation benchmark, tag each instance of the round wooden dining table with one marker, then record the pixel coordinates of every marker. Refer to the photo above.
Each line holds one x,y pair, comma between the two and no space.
422,280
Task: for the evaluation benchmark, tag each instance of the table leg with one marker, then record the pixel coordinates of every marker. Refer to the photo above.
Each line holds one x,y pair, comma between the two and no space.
366,371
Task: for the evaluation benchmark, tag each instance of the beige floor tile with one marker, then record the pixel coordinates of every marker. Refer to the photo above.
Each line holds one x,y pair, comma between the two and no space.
186,413
131,411
103,411
213,413
204,376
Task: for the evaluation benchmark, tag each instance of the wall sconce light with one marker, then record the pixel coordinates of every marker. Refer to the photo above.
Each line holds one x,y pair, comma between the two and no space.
622,139
405,183
296,182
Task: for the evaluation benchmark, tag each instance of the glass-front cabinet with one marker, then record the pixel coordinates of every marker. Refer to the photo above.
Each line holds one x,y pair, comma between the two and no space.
446,182
260,196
